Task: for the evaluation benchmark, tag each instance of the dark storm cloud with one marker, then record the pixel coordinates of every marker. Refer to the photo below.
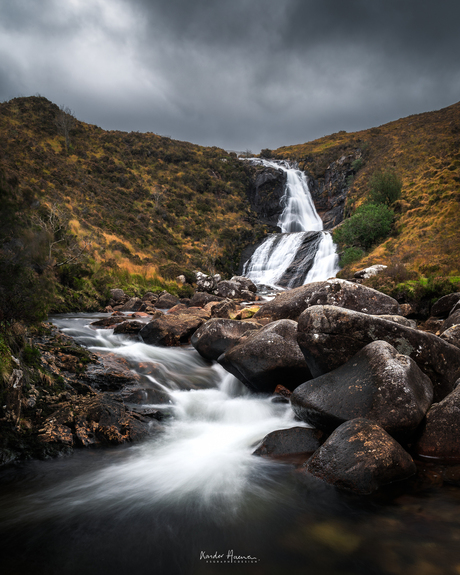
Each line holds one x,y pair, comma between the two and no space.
238,74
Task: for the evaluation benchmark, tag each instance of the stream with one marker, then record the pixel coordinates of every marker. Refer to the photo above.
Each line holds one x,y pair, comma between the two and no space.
195,500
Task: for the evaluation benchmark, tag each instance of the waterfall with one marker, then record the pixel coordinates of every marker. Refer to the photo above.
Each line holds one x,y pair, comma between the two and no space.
303,252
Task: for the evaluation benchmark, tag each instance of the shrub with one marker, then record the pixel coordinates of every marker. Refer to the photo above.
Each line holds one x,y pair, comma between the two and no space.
385,187
351,255
370,223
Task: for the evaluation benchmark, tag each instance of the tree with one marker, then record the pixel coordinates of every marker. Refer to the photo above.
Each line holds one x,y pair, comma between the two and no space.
371,222
385,187
65,121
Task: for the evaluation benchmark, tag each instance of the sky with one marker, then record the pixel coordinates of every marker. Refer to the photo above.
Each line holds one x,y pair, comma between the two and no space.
238,74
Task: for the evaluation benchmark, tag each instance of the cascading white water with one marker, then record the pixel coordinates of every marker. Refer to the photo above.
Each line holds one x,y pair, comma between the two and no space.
278,253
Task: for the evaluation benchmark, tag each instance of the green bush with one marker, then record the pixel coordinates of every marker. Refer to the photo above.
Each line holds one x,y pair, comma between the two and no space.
370,223
385,187
351,255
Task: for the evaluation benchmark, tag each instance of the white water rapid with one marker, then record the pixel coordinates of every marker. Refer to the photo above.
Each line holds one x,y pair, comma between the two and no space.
298,255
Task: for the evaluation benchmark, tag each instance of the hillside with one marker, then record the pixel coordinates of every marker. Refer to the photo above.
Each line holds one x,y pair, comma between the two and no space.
424,150
144,201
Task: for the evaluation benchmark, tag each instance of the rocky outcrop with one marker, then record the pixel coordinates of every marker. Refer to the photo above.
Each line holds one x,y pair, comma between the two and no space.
329,336
290,442
217,336
265,194
361,457
441,436
268,357
377,383
335,292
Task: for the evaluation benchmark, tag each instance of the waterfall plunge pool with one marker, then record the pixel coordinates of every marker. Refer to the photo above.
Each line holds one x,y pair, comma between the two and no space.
194,499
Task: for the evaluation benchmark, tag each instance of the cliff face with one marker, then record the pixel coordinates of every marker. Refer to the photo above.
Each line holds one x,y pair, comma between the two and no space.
265,193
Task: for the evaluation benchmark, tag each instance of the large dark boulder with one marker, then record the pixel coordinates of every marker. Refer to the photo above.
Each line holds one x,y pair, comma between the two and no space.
290,304
133,304
171,330
109,373
245,283
453,319
377,383
360,456
444,305
268,357
218,335
441,436
329,336
452,335
200,299
289,442
166,301
129,327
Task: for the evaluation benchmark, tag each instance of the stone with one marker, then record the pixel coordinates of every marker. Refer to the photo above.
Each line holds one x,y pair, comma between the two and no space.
206,283
166,301
218,335
181,279
223,309
181,309
129,327
290,304
268,357
369,272
171,330
150,297
453,319
110,373
441,436
245,283
117,294
444,305
133,304
293,441
452,335
329,336
228,289
360,456
107,322
377,383
200,299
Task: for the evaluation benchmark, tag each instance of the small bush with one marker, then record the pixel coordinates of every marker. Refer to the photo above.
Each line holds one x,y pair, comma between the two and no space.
369,224
351,255
385,187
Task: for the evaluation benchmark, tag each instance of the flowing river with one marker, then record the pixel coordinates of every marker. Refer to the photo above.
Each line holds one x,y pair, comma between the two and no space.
195,500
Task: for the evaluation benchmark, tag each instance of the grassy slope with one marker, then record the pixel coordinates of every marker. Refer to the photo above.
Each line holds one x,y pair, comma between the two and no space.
149,203
424,150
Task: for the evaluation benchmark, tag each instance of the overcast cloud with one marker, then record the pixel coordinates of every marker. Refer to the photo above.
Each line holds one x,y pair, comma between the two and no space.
238,74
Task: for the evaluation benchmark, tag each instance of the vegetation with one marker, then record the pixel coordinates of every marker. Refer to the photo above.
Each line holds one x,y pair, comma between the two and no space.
385,187
370,223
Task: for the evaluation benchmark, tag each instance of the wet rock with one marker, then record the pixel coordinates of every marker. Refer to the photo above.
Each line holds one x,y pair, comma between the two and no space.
360,456
329,336
200,299
441,436
268,357
171,330
453,319
377,383
166,301
95,419
133,304
150,297
293,441
452,335
107,322
110,373
444,305
245,283
129,327
218,335
336,292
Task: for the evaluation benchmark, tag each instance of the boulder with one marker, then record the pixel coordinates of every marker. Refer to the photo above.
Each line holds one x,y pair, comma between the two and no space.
110,373
293,441
117,295
200,299
441,436
222,309
329,336
129,327
166,301
444,305
245,283
107,322
133,304
453,319
217,335
377,383
181,309
206,283
171,330
360,456
229,289
268,357
452,335
369,272
290,304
